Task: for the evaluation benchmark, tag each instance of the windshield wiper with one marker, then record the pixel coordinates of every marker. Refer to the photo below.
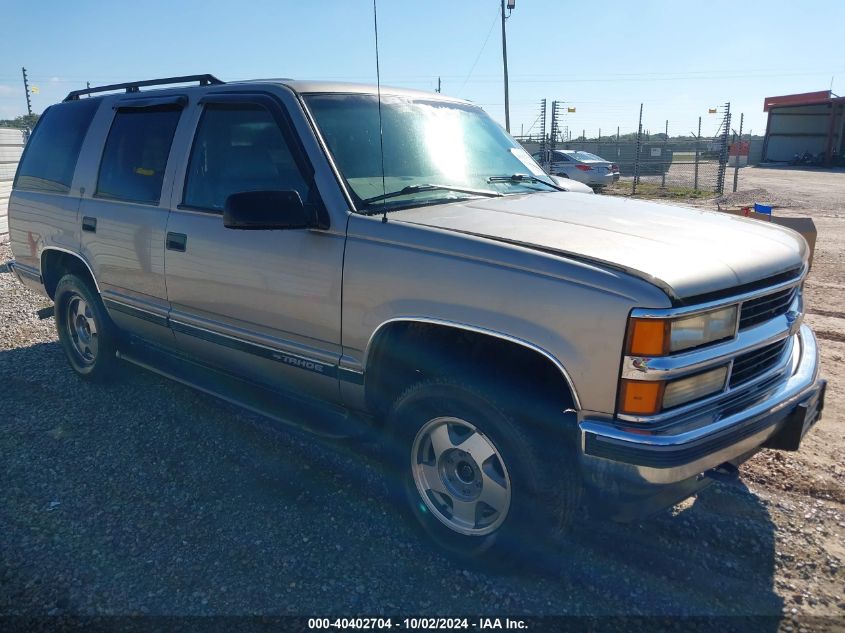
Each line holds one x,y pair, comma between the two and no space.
520,178
411,189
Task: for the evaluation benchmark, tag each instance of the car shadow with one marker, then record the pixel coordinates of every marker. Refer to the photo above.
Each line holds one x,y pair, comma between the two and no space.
712,555
145,496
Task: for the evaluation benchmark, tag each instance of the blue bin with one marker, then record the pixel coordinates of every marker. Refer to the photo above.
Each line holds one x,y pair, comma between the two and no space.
762,208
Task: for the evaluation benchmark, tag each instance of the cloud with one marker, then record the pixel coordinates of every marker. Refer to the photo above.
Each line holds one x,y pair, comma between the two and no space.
9,90
55,80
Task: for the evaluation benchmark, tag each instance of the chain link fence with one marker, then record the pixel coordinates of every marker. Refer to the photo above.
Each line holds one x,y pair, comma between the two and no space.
691,163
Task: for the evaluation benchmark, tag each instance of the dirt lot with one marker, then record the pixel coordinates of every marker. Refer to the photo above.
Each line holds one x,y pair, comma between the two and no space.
145,497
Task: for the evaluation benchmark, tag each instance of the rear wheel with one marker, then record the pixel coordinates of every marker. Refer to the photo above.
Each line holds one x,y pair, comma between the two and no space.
86,333
473,478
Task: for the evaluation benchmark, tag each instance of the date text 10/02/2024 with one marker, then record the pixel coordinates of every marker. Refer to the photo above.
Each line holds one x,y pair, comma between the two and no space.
416,623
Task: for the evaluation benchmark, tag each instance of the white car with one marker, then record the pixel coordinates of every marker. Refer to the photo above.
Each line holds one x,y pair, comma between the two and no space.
590,169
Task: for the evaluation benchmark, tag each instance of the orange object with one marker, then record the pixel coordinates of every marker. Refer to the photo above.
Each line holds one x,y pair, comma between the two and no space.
639,397
648,337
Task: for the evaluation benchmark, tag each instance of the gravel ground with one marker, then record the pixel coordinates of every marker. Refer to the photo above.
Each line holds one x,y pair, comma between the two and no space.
146,497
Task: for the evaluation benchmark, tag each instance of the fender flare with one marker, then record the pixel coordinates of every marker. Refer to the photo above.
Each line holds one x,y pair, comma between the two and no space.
477,330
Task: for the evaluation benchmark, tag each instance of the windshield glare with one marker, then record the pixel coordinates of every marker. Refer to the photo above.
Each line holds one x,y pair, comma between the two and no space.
425,142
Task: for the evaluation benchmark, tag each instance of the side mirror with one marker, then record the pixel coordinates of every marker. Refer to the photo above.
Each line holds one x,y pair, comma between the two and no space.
267,210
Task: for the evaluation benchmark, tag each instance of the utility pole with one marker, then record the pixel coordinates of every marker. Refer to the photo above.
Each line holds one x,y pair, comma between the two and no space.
438,84
505,63
26,90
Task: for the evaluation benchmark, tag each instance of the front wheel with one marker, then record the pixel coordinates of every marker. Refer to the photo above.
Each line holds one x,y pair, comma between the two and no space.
472,477
86,332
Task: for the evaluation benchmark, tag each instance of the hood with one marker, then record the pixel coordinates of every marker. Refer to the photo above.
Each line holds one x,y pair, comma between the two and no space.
685,251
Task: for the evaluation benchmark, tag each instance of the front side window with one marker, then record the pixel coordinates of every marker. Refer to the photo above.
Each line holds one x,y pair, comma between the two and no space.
239,148
426,142
135,156
50,157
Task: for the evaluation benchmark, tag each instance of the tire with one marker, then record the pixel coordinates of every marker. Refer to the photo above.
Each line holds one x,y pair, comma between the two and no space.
474,480
86,333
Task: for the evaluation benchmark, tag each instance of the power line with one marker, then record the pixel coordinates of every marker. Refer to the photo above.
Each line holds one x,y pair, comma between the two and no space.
483,46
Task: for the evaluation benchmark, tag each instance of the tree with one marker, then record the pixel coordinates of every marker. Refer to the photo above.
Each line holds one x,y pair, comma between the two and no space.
23,122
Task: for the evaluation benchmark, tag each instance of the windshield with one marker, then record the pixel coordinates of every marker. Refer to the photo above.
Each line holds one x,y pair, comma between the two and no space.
586,156
434,151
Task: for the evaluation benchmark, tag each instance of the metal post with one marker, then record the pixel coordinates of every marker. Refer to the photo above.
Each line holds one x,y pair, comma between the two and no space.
26,91
438,84
618,157
723,154
736,158
637,155
665,140
543,137
505,63
697,139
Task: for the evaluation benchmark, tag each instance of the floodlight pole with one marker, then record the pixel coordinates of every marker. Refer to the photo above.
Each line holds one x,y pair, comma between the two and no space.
505,63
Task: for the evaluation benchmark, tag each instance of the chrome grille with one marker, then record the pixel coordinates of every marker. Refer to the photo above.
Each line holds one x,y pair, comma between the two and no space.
766,307
752,364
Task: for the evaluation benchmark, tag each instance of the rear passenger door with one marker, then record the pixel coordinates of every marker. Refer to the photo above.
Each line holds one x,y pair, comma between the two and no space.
123,219
264,304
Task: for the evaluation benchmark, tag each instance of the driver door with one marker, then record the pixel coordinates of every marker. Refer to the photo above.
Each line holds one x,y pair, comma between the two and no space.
263,304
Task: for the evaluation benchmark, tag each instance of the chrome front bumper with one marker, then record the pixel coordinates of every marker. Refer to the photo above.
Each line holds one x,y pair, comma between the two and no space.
612,453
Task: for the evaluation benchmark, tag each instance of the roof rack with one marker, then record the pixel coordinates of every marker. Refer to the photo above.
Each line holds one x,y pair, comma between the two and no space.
133,86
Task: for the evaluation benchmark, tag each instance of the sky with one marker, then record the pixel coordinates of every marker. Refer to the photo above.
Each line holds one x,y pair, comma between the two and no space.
677,58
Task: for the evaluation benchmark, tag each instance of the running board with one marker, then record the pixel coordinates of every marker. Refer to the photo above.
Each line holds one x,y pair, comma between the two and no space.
312,416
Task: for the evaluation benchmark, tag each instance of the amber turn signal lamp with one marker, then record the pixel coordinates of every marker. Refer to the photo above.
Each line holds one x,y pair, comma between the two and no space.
649,337
640,397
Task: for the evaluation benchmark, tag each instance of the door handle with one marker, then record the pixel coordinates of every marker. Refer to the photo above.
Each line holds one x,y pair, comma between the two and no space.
89,224
176,242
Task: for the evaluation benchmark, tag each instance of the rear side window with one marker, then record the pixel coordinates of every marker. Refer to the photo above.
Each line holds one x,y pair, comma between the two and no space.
136,152
50,157
239,148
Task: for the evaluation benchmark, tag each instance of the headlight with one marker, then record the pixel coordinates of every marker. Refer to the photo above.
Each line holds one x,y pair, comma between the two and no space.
659,337
645,397
686,390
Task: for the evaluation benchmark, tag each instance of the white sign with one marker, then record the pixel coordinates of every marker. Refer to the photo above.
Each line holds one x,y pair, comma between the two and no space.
655,151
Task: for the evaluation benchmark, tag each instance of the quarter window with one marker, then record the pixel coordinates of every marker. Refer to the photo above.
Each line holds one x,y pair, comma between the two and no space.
50,157
239,148
136,152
